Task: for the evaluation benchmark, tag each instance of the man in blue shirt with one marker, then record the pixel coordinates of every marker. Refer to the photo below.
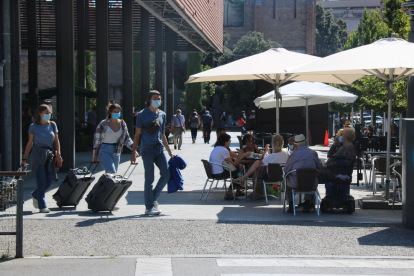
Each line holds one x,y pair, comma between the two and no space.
150,126
178,125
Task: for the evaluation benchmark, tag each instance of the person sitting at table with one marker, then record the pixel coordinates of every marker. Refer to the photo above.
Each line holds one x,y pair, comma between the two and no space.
341,156
220,131
302,157
248,145
219,155
278,156
291,144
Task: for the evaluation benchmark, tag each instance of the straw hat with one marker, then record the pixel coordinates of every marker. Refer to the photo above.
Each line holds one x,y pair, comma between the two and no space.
300,139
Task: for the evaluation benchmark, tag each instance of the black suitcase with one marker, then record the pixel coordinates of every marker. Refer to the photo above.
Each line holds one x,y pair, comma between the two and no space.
72,189
106,193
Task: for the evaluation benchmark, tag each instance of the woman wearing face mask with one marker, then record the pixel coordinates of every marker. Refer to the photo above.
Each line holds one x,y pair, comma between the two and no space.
43,141
340,156
110,136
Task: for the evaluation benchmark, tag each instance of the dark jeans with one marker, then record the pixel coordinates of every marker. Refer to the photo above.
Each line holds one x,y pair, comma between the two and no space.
44,179
194,133
207,131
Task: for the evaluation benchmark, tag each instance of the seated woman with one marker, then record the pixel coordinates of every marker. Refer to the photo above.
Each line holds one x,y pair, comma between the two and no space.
248,146
220,154
278,156
341,156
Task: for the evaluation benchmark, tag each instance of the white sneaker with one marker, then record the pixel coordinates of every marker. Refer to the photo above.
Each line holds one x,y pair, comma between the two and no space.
156,207
152,212
35,203
44,210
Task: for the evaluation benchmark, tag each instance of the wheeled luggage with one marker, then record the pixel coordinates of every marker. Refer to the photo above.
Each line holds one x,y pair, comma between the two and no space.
108,190
72,189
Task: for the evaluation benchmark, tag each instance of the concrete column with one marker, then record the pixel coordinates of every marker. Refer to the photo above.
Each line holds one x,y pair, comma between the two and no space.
408,173
311,27
80,7
158,55
32,54
127,51
170,40
145,55
16,96
102,42
5,92
65,81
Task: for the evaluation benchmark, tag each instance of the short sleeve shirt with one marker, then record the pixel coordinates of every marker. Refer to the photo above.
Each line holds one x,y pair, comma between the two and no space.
146,117
44,134
218,155
278,157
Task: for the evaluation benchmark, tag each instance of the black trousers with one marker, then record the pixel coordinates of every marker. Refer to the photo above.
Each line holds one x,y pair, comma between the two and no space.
194,133
207,131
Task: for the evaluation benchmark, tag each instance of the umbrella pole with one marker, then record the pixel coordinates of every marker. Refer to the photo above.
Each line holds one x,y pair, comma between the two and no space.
387,183
276,89
307,122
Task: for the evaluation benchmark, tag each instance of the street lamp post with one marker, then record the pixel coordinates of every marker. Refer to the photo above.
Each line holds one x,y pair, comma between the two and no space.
407,134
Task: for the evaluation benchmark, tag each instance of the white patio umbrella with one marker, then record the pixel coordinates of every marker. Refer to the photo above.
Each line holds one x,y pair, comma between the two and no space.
389,59
303,93
270,66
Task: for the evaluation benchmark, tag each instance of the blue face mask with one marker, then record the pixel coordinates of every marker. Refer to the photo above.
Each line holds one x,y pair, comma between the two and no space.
46,117
179,113
291,148
155,103
340,139
116,116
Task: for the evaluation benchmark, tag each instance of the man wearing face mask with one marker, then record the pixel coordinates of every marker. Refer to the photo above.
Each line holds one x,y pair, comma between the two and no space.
150,128
302,158
178,124
341,155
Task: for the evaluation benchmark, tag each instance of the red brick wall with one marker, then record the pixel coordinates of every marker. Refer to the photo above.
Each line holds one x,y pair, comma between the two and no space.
292,33
208,16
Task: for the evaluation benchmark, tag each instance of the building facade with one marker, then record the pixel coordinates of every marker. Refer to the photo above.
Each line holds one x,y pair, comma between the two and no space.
291,23
351,10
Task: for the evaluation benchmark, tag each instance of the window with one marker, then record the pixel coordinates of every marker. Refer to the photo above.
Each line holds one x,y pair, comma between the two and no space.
233,13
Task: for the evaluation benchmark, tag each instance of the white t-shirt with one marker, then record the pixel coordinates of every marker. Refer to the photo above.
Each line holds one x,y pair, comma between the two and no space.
278,157
218,155
112,137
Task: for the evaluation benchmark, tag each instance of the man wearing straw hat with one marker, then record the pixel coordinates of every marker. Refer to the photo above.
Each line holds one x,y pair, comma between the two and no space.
302,158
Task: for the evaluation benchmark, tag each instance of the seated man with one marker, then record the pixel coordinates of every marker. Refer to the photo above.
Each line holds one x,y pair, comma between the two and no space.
302,158
341,156
220,131
221,154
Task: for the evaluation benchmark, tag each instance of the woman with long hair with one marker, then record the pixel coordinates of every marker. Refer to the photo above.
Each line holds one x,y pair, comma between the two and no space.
110,136
43,144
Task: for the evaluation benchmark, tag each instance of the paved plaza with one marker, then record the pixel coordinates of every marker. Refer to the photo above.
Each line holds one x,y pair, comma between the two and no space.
213,237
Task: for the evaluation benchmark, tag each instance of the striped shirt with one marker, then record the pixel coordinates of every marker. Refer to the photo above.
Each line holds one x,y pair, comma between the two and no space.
125,139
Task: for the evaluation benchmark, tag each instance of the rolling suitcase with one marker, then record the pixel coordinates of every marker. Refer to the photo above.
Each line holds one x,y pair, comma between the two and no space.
72,189
108,190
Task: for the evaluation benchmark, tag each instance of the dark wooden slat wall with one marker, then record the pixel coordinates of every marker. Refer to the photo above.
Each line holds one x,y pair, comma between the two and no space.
46,18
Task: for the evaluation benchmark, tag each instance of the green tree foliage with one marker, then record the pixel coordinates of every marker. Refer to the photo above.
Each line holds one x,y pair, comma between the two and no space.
330,35
396,20
240,94
193,90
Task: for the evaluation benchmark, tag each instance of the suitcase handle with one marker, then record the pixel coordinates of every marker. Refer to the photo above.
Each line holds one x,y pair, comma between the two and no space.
90,168
135,165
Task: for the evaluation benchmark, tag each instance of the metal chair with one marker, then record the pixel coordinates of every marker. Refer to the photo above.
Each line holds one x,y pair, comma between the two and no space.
305,179
211,178
397,170
380,170
274,176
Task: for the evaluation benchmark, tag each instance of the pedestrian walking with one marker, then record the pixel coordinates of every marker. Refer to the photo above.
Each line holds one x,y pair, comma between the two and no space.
202,112
44,147
92,121
242,122
223,119
208,124
229,121
150,128
194,121
178,124
110,137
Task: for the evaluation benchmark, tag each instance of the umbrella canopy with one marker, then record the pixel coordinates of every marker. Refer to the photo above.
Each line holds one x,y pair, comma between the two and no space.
389,59
270,66
295,94
303,93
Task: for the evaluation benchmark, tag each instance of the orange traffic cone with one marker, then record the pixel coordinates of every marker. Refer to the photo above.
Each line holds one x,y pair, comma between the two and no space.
326,143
